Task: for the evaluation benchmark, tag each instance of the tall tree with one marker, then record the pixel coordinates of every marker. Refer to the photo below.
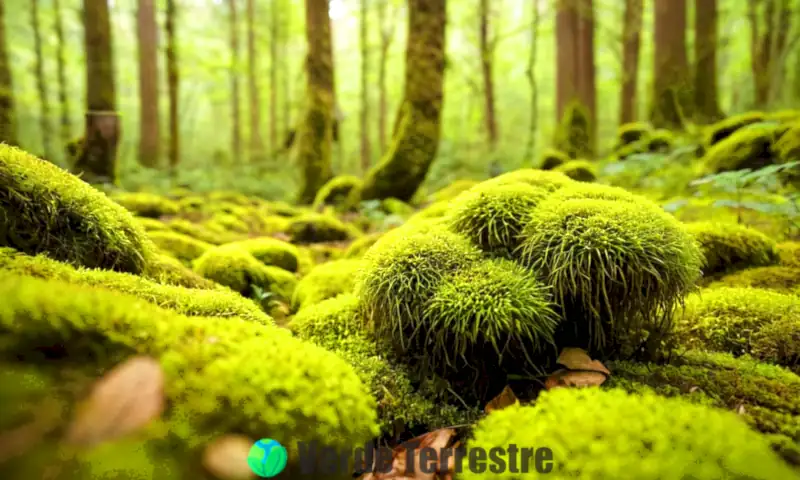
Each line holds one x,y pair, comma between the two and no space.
387,34
366,150
487,54
97,159
149,125
533,124
274,66
416,137
173,84
316,132
236,131
587,86
256,143
63,86
631,41
770,23
41,85
706,96
671,86
8,124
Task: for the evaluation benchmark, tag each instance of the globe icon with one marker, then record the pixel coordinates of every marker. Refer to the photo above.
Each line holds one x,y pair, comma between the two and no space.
267,458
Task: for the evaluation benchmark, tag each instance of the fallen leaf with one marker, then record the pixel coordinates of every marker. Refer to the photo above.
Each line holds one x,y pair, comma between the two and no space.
577,359
506,398
226,458
438,440
579,379
740,410
124,400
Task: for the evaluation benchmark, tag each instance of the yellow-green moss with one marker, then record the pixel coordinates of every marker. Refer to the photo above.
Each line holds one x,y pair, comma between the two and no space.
271,251
44,209
168,270
552,158
579,170
789,254
394,206
595,191
599,434
727,246
629,133
180,246
151,224
550,181
198,231
786,116
312,228
451,191
191,302
342,192
778,278
748,147
144,204
434,210
359,247
574,133
326,281
660,140
283,209
726,127
787,146
226,222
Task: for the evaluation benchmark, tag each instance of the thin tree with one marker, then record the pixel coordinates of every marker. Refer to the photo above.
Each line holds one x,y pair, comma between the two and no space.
530,71
256,143
274,66
587,86
706,95
173,85
287,75
487,57
236,134
366,150
631,41
672,97
149,125
63,86
41,85
387,34
8,124
768,45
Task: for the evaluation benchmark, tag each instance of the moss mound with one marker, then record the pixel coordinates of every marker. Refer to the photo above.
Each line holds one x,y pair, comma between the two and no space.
727,246
44,209
148,205
552,159
591,435
237,269
493,215
579,170
789,254
550,181
595,191
342,192
778,278
787,147
359,247
749,147
168,270
311,228
151,224
451,191
271,251
202,233
436,210
632,132
326,281
180,246
616,268
726,127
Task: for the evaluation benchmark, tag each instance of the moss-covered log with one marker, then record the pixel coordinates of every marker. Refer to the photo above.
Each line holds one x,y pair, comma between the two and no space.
8,129
416,138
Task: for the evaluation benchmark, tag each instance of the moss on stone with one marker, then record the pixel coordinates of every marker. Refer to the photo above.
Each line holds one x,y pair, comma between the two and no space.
579,170
180,246
313,228
44,209
789,254
451,191
660,141
552,159
168,270
629,133
596,433
778,278
271,251
726,127
200,232
434,210
574,134
326,281
393,206
227,222
787,146
748,147
595,191
151,224
342,192
148,205
727,247
359,247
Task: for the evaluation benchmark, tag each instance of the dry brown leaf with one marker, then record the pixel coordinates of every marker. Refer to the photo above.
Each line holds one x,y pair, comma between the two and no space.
578,359
124,400
437,440
226,458
579,379
506,398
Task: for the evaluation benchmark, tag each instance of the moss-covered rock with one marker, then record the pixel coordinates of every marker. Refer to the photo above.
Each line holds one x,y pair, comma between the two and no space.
787,146
726,127
748,147
727,247
633,132
596,191
393,206
783,116
180,246
789,254
342,192
432,211
617,268
574,133
579,170
552,159
44,209
326,281
778,278
548,180
271,251
200,232
168,270
359,247
151,224
144,204
226,222
313,228
591,434
451,191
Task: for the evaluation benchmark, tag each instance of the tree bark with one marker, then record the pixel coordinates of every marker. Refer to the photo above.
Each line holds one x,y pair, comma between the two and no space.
41,85
587,89
366,150
173,85
671,85
8,124
256,143
487,54
416,139
769,34
97,159
706,95
274,36
387,33
316,132
236,134
287,75
631,41
533,124
63,87
566,56
149,136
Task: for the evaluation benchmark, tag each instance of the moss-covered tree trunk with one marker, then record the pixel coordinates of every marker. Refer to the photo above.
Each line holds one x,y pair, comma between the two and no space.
366,148
416,139
672,97
147,31
256,142
63,87
41,84
770,24
173,84
631,41
8,123
316,132
236,132
97,159
487,54
706,95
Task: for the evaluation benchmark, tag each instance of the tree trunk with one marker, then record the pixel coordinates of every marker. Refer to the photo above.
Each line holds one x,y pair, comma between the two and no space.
173,83
533,124
236,134
416,140
387,33
487,54
274,36
8,124
587,89
631,41
768,33
287,75
316,132
256,144
147,30
670,69
97,159
63,87
366,150
566,56
705,52
41,85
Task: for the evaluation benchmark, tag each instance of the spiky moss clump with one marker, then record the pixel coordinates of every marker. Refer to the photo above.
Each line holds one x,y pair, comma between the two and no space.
451,191
326,281
767,396
749,147
44,209
271,251
778,278
313,228
149,205
728,246
789,254
550,181
726,127
629,133
359,247
617,268
180,246
492,216
237,269
213,384
339,192
579,170
191,302
592,434
552,158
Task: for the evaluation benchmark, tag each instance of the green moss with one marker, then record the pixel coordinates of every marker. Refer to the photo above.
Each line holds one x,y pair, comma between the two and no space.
579,170
783,116
550,181
191,302
574,135
272,224
326,281
283,209
199,232
168,270
492,216
451,191
595,191
312,228
149,205
778,278
789,254
660,141
393,206
552,158
748,147
787,146
727,246
151,224
44,209
226,222
434,210
617,268
271,251
180,246
768,396
726,127
592,434
629,133
342,192
359,247
236,268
